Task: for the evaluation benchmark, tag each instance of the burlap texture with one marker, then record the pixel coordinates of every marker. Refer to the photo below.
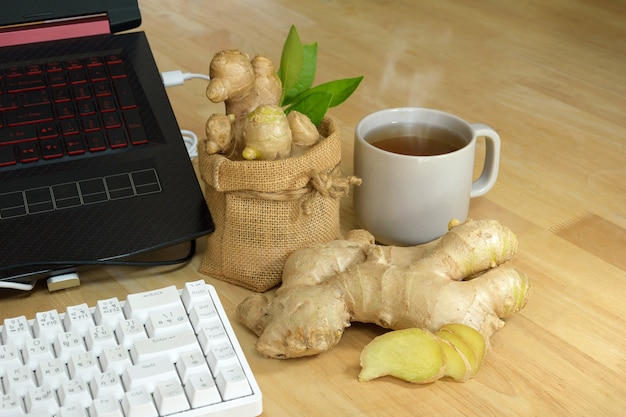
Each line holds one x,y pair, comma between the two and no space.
264,210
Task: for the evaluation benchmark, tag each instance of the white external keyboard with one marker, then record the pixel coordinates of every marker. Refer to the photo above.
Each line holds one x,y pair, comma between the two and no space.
157,353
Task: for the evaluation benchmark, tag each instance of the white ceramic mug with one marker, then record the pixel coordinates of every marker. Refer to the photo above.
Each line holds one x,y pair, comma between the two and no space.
406,199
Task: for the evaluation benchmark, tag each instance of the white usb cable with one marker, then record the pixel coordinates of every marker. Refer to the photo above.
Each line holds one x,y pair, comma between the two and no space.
177,78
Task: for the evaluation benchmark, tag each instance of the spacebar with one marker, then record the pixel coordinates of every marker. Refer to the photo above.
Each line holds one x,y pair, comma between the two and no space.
171,345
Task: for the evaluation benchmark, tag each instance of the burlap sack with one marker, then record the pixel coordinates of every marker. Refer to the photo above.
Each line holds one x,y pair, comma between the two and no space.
264,210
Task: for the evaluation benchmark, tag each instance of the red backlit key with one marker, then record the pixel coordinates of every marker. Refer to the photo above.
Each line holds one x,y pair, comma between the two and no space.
25,83
29,115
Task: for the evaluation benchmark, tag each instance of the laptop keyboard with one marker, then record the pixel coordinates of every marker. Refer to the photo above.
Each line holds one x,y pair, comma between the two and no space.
55,110
157,353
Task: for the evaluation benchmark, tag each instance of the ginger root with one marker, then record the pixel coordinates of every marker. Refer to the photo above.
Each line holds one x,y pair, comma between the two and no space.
458,279
266,134
416,355
242,84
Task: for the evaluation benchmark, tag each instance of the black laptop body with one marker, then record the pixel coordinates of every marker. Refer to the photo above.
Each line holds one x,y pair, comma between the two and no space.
123,185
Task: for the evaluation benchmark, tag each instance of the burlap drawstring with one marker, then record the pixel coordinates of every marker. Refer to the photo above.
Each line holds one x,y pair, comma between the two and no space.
325,184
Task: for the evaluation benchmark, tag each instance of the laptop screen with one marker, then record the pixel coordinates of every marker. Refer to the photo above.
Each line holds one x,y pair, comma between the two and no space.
122,14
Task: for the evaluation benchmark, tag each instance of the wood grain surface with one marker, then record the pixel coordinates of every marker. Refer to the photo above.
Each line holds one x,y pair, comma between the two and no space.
549,76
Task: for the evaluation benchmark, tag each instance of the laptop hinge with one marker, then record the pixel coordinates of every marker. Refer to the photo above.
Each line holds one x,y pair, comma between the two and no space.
54,29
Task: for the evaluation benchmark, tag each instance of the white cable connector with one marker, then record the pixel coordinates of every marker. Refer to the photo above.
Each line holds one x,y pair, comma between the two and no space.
177,77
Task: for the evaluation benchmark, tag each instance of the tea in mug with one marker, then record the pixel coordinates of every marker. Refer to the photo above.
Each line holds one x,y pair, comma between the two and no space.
416,140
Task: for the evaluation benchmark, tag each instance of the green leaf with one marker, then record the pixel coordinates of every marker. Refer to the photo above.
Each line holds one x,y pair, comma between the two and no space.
291,61
307,74
313,104
340,89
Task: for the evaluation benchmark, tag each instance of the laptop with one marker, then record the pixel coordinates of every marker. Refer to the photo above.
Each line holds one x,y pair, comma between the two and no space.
93,167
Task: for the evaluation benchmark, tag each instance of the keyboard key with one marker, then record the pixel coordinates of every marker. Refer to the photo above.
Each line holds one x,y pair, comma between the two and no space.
195,292
117,138
68,344
221,356
192,363
51,148
108,311
75,145
19,380
34,97
16,331
212,335
202,391
9,357
27,152
74,391
77,77
8,102
41,399
25,83
54,66
147,374
83,366
36,351
30,115
11,405
107,384
134,125
95,142
73,410
57,80
99,338
115,359
202,314
61,95
116,70
88,108
47,325
81,92
51,372
166,321
102,89
47,131
78,318
171,345
232,383
111,121
140,305
129,332
107,104
73,64
70,126
18,134
7,156
138,402
124,94
106,407
34,69
170,398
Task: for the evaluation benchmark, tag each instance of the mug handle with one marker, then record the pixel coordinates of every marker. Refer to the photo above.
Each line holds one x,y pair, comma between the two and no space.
489,174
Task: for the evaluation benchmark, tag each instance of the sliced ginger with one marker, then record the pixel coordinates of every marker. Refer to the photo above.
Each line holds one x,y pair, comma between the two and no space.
471,337
413,355
457,365
458,342
420,356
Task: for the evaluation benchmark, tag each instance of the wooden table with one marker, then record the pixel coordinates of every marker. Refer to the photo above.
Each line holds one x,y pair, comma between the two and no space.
549,76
